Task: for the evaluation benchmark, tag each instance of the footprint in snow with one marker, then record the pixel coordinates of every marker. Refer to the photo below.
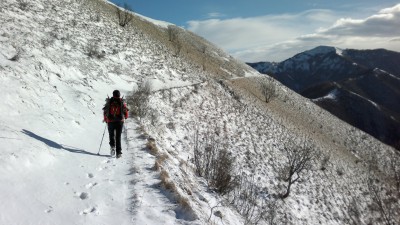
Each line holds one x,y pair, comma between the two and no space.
90,185
82,195
102,168
49,210
88,211
106,161
13,156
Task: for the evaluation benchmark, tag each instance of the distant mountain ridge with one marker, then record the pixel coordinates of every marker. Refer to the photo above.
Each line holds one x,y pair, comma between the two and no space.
361,87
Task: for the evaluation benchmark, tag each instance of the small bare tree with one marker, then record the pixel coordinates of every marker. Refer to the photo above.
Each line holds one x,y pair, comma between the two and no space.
125,15
139,100
204,56
173,36
268,90
299,159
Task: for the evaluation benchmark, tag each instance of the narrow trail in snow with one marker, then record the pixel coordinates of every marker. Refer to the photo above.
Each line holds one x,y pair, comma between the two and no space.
149,203
104,187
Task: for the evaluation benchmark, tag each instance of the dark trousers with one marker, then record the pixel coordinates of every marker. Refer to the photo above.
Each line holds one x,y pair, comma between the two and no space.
115,130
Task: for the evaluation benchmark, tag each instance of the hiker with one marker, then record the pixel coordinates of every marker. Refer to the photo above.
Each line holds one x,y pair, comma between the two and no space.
115,112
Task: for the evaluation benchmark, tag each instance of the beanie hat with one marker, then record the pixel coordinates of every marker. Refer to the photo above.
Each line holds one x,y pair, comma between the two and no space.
116,94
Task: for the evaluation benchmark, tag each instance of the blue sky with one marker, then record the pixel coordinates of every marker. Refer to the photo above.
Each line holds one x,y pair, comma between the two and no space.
273,30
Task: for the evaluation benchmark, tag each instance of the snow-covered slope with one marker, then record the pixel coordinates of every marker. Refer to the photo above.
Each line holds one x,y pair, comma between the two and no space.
58,61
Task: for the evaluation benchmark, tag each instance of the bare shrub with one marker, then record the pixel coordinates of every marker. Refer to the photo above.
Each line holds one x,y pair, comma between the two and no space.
159,161
271,216
354,212
173,36
125,15
96,17
23,4
299,158
204,58
340,171
92,50
139,100
164,178
166,183
153,117
324,162
74,22
268,90
252,200
151,146
248,199
214,164
172,33
46,42
384,203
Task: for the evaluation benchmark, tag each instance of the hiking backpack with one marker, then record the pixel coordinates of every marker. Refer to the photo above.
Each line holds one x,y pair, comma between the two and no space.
114,109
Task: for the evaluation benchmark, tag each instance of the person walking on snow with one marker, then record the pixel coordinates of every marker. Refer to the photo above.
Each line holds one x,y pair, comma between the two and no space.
115,112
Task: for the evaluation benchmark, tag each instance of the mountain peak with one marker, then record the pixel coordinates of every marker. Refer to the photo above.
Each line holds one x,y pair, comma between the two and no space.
322,50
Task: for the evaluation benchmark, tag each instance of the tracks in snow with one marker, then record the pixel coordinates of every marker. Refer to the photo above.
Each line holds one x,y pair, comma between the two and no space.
150,203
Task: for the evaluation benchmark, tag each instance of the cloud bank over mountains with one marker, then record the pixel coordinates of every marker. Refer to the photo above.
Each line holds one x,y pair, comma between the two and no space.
277,37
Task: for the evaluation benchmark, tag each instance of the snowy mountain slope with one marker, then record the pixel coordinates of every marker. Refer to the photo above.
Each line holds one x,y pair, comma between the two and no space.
59,60
313,67
256,134
371,76
369,102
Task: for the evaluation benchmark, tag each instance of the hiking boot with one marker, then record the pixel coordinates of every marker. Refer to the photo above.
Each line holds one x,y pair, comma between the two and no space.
119,156
112,151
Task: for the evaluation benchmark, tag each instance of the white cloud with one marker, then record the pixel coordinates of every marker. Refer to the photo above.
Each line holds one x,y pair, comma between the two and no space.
243,33
384,24
215,15
277,37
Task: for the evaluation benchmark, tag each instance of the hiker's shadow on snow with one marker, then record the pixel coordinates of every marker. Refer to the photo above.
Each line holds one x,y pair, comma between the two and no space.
54,144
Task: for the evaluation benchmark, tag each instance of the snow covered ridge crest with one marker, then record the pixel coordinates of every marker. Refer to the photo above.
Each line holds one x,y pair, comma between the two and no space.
59,60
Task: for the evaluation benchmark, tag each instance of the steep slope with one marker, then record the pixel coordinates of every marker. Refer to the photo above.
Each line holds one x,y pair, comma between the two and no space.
54,87
371,76
369,102
58,62
377,58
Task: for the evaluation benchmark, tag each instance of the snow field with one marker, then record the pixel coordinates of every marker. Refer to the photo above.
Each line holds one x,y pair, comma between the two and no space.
53,95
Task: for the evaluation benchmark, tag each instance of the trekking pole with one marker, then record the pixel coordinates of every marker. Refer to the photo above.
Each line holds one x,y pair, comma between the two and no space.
102,139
